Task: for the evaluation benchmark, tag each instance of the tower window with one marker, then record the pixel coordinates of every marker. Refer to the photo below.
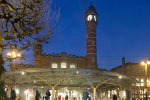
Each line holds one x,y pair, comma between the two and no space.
54,65
93,42
63,65
72,66
93,59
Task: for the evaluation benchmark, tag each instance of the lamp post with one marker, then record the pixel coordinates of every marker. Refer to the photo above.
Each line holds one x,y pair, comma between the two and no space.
145,63
13,55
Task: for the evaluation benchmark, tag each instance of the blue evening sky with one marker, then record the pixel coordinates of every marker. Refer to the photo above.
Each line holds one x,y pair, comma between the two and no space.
123,30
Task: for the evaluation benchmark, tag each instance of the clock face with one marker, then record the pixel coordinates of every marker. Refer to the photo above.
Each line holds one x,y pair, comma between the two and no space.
89,17
95,18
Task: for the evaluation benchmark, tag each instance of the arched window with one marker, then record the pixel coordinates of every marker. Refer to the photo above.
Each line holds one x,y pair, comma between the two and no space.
63,65
54,65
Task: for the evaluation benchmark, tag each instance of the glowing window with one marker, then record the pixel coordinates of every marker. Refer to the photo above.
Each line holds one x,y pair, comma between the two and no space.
63,65
72,66
142,84
137,84
142,80
54,65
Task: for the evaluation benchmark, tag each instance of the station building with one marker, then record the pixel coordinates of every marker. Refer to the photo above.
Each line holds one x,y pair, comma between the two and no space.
69,74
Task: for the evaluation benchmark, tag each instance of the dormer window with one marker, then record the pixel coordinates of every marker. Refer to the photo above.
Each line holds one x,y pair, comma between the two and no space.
63,65
72,66
54,65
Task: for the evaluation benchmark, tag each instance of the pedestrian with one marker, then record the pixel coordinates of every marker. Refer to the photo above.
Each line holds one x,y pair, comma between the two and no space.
43,98
7,93
89,98
13,94
59,97
85,95
48,94
66,97
114,97
37,95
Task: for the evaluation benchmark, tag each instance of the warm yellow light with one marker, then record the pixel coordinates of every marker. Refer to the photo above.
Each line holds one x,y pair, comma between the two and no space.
13,53
8,54
142,80
77,72
22,73
142,63
18,55
14,56
148,62
148,81
120,77
17,91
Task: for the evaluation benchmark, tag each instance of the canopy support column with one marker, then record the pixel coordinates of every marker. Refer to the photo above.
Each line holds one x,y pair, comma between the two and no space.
56,94
69,94
53,93
94,93
95,87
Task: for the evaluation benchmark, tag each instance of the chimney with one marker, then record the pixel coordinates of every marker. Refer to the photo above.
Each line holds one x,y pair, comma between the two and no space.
123,60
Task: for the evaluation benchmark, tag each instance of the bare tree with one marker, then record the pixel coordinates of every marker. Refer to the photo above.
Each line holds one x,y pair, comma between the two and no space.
24,22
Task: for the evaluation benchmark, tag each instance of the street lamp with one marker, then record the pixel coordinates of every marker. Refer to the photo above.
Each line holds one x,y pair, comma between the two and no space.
145,63
13,55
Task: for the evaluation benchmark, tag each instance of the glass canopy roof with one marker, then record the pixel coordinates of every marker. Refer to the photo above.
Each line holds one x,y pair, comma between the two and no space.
68,78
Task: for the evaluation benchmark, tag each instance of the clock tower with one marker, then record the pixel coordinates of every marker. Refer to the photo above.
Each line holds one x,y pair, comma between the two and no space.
91,17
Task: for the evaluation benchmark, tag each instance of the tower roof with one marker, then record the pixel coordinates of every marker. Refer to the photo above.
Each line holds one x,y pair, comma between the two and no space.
91,8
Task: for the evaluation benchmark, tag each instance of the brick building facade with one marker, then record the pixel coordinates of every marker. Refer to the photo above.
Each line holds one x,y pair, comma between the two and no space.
64,60
137,72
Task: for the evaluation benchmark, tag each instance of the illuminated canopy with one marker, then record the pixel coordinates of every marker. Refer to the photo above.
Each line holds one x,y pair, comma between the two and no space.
68,77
